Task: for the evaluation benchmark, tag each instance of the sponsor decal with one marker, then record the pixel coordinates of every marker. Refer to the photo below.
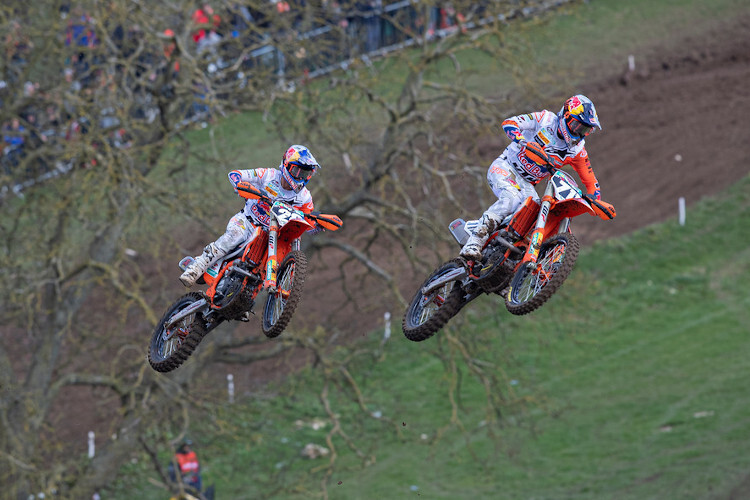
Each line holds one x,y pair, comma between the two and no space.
213,271
543,137
497,169
235,177
272,244
531,171
275,184
291,154
543,214
260,212
270,190
536,239
269,270
575,106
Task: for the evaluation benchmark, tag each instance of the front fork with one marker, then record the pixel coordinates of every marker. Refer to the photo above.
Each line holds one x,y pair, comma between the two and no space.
537,235
269,282
272,264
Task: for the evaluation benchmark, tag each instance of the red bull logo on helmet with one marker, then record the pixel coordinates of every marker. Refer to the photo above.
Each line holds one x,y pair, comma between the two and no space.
575,106
291,154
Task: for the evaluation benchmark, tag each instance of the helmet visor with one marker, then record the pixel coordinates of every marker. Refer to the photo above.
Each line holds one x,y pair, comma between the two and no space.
300,172
579,129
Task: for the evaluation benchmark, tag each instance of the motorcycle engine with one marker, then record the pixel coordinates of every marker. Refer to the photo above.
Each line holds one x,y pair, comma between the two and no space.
227,288
496,271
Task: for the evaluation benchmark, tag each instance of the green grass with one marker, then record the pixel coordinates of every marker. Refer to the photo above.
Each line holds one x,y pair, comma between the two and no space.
635,374
629,383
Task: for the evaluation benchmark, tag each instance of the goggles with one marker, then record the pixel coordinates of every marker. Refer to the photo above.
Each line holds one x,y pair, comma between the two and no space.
579,129
301,173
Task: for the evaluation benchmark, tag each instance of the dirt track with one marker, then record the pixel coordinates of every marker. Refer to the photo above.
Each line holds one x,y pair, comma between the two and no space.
679,127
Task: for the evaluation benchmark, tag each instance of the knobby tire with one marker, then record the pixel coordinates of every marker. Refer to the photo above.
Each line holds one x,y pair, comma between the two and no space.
196,330
294,268
415,327
519,305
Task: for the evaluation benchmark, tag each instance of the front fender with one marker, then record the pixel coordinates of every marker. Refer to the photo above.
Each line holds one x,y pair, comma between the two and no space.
570,208
294,229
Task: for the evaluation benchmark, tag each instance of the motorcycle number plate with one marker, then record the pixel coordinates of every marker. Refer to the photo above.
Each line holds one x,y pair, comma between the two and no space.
284,213
565,187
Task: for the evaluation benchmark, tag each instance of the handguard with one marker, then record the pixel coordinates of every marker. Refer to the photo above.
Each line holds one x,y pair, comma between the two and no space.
601,208
326,221
535,152
248,191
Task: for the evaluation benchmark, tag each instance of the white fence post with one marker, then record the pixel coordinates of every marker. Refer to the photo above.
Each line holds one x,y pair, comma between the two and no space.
387,332
230,387
91,444
681,206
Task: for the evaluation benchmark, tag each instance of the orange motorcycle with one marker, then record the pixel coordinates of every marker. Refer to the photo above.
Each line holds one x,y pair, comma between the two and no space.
525,261
269,260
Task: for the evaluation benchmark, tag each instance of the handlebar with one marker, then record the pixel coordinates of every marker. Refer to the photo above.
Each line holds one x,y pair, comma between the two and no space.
326,221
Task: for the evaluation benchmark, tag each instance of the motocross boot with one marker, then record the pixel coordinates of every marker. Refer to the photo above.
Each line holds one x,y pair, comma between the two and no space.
472,250
197,268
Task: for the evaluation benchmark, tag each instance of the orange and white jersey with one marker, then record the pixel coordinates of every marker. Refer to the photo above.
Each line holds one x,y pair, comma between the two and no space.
542,127
268,180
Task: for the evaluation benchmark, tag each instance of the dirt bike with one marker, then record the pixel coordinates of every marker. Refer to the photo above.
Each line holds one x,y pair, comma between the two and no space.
235,280
525,261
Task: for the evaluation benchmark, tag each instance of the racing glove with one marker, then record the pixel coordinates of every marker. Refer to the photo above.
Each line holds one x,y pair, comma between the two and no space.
535,153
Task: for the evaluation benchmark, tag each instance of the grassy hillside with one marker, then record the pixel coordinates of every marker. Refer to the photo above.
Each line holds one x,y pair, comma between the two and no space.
630,383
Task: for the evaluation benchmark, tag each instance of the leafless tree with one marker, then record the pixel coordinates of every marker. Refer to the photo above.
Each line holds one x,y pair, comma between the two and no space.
104,95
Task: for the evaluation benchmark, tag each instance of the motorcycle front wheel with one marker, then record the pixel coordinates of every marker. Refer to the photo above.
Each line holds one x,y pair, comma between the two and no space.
280,305
532,286
169,348
428,313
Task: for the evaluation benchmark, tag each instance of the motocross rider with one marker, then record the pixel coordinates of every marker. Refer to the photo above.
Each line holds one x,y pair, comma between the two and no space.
287,182
538,138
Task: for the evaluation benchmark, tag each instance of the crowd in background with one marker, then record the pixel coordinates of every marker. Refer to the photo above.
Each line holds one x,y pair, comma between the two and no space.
364,28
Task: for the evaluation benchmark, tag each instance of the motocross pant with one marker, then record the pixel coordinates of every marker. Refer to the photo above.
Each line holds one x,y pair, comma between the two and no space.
239,229
511,190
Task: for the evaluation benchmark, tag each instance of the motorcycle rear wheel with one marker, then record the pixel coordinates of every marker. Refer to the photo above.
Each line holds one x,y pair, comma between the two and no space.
169,349
530,288
281,304
427,314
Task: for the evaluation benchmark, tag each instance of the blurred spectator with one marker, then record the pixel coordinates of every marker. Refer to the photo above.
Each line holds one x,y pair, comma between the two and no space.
17,44
186,462
80,36
207,21
14,140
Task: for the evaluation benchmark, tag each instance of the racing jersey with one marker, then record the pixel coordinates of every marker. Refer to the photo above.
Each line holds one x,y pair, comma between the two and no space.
268,180
542,128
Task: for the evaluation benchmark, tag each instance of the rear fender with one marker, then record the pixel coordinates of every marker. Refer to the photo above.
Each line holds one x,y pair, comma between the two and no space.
198,306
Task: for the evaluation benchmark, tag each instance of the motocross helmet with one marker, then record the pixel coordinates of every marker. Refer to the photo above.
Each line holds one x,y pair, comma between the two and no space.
298,165
577,119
